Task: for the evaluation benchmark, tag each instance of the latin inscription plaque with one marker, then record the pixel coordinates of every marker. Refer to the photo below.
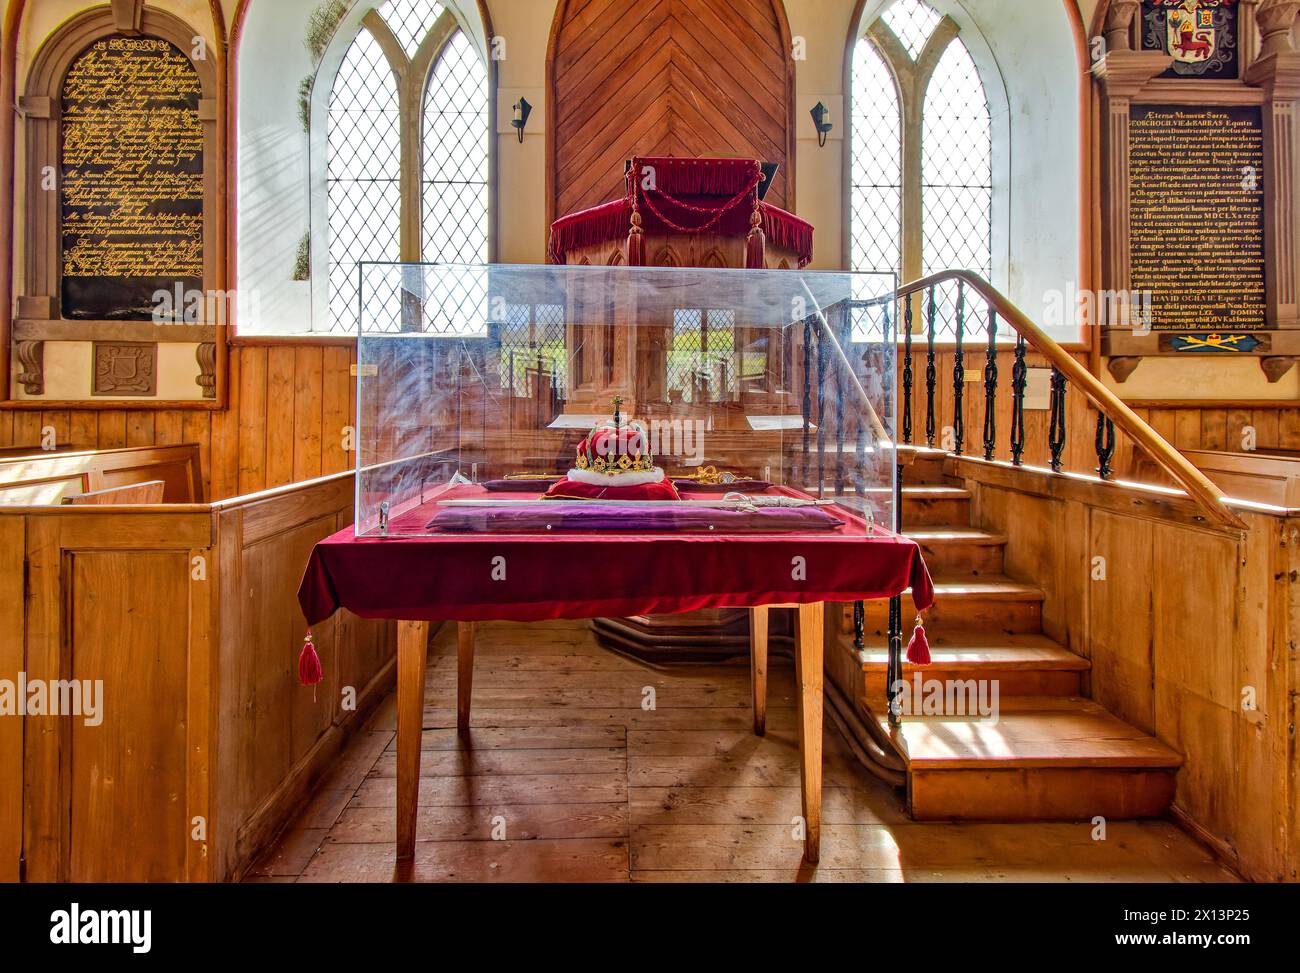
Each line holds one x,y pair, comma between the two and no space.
132,179
1196,208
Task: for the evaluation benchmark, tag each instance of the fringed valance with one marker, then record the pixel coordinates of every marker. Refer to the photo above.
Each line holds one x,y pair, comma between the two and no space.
688,196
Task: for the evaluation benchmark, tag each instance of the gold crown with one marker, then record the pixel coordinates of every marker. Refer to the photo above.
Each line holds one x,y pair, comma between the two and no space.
616,464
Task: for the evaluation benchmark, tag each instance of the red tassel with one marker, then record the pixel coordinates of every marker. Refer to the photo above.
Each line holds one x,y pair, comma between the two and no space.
309,668
636,243
756,250
918,649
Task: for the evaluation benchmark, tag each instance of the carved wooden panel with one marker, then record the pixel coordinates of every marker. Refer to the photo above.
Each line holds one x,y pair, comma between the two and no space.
125,368
666,77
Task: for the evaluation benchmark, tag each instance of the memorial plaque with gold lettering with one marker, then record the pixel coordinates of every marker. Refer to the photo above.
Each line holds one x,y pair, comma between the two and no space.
1196,210
132,179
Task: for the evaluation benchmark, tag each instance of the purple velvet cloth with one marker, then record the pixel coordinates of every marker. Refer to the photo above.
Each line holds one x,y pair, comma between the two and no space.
612,517
692,486
537,485
744,486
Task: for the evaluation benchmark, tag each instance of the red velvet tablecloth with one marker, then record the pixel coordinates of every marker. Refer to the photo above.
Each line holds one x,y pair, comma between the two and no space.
459,577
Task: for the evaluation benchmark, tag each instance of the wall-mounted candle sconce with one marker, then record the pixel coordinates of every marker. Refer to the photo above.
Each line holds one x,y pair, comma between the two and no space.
520,121
819,115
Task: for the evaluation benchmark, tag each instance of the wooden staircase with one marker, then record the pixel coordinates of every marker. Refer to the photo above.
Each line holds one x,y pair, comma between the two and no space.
1050,754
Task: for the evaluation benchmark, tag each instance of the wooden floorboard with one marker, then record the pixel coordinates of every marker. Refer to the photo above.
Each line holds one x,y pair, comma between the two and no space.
572,772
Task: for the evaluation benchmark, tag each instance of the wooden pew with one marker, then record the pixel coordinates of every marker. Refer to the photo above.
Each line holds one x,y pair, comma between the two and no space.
1272,478
41,478
137,493
188,614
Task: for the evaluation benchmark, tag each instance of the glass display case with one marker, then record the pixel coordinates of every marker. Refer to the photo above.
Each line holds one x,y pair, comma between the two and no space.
612,400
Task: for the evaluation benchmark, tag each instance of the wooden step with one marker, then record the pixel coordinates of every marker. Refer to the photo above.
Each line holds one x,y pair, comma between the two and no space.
925,505
934,504
992,603
929,466
1045,758
1022,665
956,550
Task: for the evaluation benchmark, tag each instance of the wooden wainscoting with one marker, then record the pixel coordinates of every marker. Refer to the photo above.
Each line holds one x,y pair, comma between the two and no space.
187,613
1189,637
278,738
1226,429
289,405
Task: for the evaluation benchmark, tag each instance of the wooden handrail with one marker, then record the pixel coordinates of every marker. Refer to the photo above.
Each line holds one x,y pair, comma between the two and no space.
1197,485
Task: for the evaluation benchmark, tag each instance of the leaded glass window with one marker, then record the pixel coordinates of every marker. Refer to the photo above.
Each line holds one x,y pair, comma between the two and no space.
445,199
921,150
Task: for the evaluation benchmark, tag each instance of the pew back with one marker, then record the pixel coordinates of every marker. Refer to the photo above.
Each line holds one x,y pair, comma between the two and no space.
40,478
202,741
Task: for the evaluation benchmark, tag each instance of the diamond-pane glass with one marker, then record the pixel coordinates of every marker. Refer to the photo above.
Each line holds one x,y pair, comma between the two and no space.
702,363
364,173
956,168
455,142
533,344
876,193
912,23
410,21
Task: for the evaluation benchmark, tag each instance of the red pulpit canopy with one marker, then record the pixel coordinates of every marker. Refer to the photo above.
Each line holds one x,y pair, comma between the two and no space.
667,195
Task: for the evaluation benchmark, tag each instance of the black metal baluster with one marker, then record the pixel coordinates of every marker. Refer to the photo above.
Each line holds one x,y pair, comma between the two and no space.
991,388
931,375
859,624
821,413
1105,445
1019,381
907,370
959,373
894,666
1056,424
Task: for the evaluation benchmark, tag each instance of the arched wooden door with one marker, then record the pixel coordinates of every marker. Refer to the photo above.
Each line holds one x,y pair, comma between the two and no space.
665,77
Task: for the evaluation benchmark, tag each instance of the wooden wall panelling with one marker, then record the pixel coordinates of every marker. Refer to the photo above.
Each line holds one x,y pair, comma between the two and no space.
288,408
1267,761
1187,619
110,599
280,443
670,77
1121,620
12,553
1195,663
308,411
204,720
278,737
1219,427
44,785
130,628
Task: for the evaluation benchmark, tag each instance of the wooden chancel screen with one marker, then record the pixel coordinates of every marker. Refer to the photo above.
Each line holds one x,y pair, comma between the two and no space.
687,78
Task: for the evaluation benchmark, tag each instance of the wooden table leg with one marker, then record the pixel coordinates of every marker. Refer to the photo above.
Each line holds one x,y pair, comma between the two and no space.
464,672
758,666
412,652
808,672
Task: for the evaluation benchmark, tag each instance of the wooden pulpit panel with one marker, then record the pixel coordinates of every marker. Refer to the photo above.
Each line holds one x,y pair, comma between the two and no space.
670,77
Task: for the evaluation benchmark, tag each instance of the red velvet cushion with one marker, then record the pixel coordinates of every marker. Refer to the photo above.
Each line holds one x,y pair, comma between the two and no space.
567,489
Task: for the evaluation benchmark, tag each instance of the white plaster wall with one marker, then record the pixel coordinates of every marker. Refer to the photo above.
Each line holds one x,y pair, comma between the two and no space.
1024,49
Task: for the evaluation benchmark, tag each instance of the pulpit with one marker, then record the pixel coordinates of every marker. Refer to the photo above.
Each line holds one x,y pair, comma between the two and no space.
700,363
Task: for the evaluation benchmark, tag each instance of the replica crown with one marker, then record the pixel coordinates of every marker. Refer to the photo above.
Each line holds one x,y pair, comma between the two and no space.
612,448
614,462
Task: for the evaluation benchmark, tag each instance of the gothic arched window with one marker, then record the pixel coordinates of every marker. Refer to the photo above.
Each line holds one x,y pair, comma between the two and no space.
408,150
920,148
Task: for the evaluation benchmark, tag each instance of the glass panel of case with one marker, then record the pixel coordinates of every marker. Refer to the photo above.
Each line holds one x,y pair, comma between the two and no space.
623,401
